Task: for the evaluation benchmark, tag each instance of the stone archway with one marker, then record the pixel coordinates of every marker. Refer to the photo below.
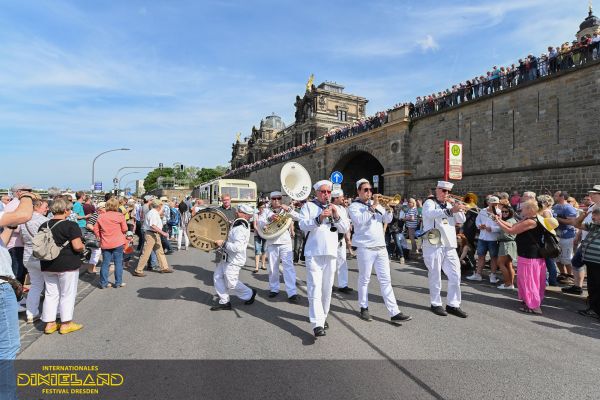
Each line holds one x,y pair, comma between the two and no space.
356,165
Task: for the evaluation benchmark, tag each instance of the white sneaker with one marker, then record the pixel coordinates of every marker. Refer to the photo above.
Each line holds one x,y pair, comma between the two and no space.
493,278
504,287
475,277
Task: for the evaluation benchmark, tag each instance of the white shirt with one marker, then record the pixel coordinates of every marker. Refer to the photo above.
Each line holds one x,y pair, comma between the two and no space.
587,220
236,243
5,260
483,218
321,241
152,218
368,226
285,237
434,216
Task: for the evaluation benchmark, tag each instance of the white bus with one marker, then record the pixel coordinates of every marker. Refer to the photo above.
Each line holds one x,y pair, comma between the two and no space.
241,192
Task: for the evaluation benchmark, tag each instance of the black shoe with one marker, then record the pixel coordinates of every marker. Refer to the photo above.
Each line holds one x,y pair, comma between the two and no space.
588,312
251,299
364,314
456,311
439,310
219,307
573,290
273,294
293,299
319,331
326,325
345,289
400,317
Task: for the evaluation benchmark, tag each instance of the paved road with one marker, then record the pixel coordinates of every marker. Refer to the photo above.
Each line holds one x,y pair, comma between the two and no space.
267,349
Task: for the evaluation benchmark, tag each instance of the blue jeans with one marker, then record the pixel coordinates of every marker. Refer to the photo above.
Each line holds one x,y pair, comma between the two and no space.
9,341
109,255
153,259
552,272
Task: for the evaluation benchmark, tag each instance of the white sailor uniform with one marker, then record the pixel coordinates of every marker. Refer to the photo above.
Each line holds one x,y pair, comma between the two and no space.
280,248
442,255
371,252
320,254
341,263
226,276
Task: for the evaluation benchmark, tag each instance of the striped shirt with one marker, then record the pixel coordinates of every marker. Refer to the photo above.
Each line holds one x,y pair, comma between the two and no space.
590,246
411,217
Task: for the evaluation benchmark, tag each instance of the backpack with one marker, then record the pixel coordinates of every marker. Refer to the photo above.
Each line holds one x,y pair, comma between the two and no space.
174,217
44,246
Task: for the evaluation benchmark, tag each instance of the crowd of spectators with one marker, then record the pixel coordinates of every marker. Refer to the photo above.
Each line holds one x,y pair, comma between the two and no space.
285,155
359,126
557,59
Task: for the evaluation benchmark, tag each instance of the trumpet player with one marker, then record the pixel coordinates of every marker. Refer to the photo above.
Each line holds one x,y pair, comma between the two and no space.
280,248
368,217
321,222
337,198
440,216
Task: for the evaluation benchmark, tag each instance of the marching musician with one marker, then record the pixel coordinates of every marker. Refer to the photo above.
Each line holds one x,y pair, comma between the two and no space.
226,276
368,217
337,198
280,248
439,249
321,222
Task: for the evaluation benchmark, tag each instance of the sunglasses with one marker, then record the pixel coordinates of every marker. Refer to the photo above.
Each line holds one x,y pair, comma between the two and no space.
325,191
505,212
367,189
275,198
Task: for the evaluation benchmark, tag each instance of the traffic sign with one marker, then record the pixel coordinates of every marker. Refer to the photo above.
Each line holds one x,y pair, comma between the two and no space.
98,186
337,186
337,177
376,181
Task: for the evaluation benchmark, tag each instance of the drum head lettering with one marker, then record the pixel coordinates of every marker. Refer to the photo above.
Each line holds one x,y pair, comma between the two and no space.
206,227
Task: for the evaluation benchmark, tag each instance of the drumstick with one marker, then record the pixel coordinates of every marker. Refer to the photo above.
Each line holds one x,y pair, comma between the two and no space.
206,239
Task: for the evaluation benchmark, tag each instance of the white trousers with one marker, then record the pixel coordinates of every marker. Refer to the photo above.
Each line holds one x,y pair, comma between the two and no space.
181,234
285,253
342,265
436,259
61,290
35,290
227,281
367,259
320,271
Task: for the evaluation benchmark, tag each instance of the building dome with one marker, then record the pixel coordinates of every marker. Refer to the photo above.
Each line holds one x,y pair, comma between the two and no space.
272,122
590,22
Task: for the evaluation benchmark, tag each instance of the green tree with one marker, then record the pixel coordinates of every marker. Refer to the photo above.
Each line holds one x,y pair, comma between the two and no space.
190,176
150,180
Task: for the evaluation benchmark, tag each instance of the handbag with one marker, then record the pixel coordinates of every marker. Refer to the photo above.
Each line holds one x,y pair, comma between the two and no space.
16,285
551,248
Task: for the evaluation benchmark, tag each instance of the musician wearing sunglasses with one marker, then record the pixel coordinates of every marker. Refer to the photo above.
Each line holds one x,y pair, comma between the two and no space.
368,217
321,221
280,248
440,217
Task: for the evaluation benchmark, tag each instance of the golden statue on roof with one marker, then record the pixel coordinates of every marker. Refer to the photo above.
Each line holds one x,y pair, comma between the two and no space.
310,81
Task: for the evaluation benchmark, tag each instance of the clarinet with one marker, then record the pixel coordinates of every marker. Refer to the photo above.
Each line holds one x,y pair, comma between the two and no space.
330,218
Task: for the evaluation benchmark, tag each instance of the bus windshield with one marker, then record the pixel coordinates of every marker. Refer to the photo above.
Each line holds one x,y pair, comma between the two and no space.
230,190
247,194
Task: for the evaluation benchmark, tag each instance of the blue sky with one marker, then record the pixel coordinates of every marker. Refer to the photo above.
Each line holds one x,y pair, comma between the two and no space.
176,80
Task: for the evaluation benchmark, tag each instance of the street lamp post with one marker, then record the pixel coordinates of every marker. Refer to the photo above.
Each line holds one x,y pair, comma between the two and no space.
94,163
123,176
116,178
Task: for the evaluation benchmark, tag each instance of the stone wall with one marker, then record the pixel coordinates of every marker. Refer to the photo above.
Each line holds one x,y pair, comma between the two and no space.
543,135
540,136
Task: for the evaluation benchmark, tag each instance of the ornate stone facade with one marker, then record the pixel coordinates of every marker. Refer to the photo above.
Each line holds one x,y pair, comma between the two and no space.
321,109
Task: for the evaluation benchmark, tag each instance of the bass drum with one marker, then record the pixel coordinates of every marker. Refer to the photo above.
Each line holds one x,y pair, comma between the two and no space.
206,227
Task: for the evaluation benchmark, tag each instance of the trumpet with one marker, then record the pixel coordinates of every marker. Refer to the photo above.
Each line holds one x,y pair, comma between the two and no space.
388,201
461,200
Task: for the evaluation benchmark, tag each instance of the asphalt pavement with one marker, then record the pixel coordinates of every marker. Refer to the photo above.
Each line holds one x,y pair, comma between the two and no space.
267,349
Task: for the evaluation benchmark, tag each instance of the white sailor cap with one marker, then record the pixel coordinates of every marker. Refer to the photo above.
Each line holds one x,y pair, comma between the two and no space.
445,185
493,200
246,209
337,193
275,194
360,182
318,185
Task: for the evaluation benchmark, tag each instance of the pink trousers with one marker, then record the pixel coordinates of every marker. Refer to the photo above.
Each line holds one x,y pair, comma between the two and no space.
531,279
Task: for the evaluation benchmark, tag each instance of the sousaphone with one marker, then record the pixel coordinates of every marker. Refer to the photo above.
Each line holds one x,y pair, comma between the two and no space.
295,182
